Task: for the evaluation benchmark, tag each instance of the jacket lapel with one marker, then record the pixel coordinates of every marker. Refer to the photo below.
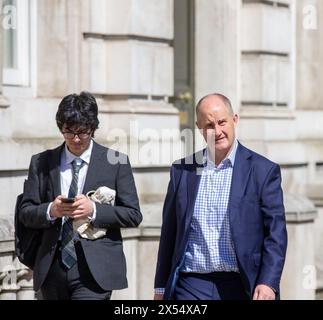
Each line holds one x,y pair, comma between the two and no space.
54,170
240,177
94,172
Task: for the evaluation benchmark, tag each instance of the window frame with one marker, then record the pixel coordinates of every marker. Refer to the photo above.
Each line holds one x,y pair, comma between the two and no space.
20,76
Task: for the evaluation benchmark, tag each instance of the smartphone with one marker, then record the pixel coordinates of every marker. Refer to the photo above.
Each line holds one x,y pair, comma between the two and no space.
68,200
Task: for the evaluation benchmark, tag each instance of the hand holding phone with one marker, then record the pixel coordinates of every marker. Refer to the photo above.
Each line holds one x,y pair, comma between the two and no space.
67,200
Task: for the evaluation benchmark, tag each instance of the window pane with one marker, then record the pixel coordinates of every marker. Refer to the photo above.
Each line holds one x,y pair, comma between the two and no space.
10,34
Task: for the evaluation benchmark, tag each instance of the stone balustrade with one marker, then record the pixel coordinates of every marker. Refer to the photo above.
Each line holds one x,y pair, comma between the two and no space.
299,278
15,279
141,245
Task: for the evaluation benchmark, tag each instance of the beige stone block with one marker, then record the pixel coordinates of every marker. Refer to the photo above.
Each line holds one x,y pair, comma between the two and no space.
309,125
309,78
148,252
152,212
318,227
152,68
282,151
145,130
52,48
299,277
100,68
17,153
131,114
266,79
284,79
151,18
5,123
294,180
10,187
131,67
258,78
131,252
266,129
152,190
140,247
266,28
26,112
217,49
309,55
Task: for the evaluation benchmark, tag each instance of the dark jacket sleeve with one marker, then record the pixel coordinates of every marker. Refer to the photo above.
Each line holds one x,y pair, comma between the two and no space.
168,235
126,211
275,242
33,210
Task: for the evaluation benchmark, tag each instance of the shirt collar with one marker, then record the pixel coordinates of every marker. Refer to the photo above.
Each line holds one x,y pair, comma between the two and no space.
85,156
233,152
230,158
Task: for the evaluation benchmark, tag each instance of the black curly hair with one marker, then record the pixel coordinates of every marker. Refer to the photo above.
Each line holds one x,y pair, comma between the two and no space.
78,110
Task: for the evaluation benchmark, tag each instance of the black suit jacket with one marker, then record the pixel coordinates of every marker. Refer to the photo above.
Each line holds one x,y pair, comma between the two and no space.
104,256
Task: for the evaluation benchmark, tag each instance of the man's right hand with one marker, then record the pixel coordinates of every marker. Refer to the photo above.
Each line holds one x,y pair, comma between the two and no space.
59,209
158,297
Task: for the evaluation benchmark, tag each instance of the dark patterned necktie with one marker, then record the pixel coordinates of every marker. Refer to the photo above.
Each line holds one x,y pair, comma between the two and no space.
68,249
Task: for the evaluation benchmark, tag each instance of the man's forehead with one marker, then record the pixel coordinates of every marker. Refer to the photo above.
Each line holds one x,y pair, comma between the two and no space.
75,127
214,109
213,101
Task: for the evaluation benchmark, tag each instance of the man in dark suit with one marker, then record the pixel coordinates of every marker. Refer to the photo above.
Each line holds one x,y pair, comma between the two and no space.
68,266
224,232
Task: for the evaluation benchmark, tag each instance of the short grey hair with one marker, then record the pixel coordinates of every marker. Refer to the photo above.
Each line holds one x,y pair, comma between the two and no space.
224,99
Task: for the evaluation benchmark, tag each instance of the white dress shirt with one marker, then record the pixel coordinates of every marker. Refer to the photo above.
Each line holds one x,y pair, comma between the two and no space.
66,174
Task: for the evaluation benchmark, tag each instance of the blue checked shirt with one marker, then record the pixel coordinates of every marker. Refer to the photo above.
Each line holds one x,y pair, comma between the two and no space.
210,246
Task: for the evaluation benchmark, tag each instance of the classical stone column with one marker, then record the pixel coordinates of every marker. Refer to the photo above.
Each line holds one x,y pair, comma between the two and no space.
299,276
309,76
25,282
8,281
4,103
314,192
309,106
8,270
217,50
52,49
127,62
8,293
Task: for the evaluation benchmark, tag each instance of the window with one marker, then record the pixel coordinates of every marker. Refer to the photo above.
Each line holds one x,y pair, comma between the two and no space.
16,57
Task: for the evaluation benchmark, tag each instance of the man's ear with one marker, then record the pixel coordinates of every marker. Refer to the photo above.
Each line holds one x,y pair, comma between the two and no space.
235,118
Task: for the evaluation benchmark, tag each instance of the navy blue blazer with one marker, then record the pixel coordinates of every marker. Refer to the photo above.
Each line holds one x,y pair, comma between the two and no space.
257,219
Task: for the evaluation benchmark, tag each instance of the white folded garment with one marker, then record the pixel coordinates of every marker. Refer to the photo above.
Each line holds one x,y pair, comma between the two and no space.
83,225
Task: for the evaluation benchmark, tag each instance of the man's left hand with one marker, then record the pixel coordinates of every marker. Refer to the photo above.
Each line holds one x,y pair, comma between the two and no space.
263,292
83,207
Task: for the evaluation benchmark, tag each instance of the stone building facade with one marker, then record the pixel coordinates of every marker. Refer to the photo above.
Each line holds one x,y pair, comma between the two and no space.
148,62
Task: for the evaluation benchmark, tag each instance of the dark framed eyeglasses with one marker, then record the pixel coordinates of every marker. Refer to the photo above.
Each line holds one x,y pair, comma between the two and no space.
71,135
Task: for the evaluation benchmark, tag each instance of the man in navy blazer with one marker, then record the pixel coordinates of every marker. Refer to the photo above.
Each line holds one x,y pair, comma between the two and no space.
67,265
223,234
